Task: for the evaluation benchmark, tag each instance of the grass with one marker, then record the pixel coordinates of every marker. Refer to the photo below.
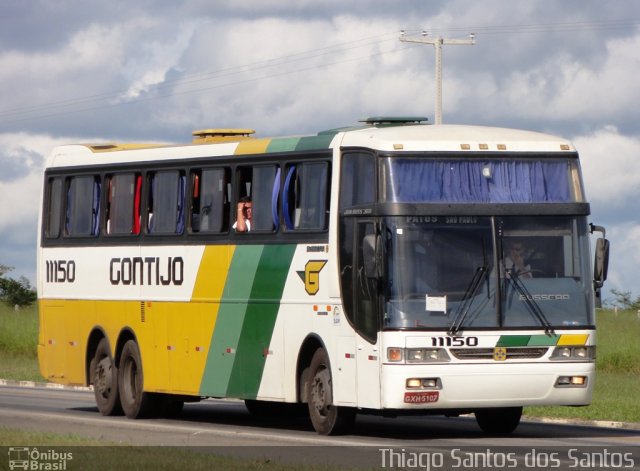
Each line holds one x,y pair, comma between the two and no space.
19,330
615,396
100,455
18,341
618,373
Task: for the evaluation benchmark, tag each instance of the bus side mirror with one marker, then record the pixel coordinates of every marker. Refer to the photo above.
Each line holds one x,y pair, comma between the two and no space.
372,255
601,263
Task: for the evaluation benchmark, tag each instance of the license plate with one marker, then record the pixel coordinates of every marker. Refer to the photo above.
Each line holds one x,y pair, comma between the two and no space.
422,397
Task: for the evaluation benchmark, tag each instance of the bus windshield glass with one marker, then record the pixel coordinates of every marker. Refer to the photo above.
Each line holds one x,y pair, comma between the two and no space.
467,272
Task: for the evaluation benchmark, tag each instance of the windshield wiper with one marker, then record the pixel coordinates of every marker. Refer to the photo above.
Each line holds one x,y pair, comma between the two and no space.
532,306
467,299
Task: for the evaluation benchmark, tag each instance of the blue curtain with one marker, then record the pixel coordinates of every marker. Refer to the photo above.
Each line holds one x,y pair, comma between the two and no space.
412,180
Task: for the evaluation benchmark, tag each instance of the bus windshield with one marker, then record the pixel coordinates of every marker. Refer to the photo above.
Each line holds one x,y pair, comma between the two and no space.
466,272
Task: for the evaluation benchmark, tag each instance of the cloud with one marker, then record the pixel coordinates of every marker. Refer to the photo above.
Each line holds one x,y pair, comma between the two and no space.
611,167
20,192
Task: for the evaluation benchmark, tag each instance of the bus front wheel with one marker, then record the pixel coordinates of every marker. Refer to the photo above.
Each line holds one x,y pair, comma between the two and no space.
104,377
135,402
326,418
499,421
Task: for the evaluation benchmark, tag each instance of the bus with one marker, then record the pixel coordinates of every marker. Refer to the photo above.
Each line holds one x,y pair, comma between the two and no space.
392,267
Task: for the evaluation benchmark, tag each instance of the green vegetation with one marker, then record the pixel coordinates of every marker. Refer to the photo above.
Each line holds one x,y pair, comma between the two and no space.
18,343
15,292
19,330
618,372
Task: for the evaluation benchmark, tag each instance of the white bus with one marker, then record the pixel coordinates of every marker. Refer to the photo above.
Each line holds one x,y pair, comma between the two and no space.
392,267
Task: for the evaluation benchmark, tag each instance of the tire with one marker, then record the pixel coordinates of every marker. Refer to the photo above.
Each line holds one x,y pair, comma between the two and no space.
104,377
499,421
135,402
326,418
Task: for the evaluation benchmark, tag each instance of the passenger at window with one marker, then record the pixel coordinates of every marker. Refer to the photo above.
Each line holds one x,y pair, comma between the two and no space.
244,215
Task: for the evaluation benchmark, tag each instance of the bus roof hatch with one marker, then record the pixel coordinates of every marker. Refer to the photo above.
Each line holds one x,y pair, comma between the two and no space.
205,136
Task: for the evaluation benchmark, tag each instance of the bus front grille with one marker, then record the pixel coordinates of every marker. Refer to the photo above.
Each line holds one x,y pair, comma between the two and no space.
513,353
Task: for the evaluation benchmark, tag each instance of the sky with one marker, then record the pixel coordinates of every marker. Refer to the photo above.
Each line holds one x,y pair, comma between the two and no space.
155,70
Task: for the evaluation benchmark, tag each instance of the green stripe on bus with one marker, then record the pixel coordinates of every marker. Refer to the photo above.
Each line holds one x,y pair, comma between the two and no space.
260,320
226,333
543,340
527,340
513,341
283,144
315,142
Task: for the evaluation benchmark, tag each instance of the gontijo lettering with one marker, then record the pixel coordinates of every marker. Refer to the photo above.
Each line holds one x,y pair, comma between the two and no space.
146,271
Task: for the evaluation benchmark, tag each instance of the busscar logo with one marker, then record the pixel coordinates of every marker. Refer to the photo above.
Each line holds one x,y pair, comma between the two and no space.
311,275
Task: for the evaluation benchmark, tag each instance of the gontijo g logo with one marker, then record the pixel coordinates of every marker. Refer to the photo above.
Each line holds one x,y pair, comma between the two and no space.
311,275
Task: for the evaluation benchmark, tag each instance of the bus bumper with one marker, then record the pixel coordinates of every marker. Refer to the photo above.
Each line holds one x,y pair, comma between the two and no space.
465,387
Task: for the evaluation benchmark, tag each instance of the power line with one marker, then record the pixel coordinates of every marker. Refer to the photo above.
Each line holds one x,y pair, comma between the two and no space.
204,76
212,87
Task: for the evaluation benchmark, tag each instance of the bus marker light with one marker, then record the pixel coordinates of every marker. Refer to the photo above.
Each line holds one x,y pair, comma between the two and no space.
394,354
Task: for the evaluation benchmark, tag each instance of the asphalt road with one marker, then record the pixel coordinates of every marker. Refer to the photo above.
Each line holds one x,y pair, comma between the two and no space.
227,426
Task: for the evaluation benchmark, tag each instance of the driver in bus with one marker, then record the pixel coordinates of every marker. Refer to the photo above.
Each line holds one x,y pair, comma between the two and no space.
515,261
244,215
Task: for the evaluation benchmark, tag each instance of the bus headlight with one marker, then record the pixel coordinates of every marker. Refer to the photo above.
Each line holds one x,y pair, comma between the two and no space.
417,355
582,353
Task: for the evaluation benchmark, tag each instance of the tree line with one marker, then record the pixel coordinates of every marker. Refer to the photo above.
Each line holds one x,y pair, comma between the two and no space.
15,292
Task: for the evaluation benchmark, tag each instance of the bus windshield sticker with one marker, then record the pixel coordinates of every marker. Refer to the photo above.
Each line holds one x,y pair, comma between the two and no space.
436,303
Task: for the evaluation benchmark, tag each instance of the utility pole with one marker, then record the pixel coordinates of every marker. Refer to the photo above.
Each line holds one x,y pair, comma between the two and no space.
438,43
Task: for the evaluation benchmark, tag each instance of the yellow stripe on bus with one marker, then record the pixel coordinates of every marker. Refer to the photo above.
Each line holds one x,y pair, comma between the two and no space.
573,339
252,146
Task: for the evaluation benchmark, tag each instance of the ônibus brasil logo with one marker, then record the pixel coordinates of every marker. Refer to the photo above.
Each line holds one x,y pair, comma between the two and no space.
34,459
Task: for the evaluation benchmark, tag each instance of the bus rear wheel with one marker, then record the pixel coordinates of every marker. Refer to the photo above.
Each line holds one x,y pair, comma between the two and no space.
104,377
135,402
499,421
326,418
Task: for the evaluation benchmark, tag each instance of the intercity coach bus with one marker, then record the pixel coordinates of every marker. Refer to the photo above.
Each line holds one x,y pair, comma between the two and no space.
392,267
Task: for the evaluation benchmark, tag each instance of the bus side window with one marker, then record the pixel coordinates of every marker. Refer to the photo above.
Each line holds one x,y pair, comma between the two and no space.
262,184
123,198
210,203
306,190
166,196
357,179
53,213
83,206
